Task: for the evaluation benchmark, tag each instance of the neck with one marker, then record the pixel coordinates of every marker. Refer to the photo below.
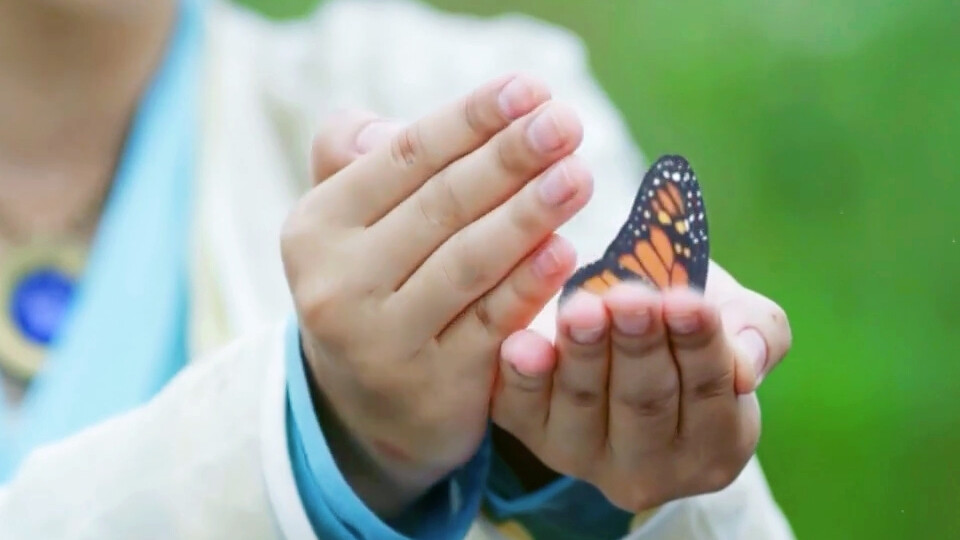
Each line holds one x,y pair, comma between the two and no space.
73,74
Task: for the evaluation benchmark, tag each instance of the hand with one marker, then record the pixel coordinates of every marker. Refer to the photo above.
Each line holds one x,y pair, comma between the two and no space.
418,251
647,396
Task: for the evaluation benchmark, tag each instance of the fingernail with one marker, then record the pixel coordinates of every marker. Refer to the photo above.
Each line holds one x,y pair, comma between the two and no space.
555,186
544,133
547,263
586,336
683,323
516,98
529,374
374,133
755,347
632,324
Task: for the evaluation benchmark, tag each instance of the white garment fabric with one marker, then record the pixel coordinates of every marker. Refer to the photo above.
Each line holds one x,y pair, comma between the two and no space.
207,458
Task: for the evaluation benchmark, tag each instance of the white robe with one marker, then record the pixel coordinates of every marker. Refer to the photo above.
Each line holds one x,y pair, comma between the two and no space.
207,458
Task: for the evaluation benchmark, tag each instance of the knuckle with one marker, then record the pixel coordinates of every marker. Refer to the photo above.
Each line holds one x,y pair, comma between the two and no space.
719,385
526,219
472,111
638,346
485,320
407,149
585,398
580,395
529,294
464,273
655,402
440,205
511,157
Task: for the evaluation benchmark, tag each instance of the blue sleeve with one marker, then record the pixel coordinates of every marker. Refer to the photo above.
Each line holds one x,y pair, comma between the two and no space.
335,511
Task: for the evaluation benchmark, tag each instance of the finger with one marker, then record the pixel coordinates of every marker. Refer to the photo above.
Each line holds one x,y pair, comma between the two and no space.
509,307
716,458
734,441
515,302
478,257
577,420
521,397
644,381
368,188
762,333
704,357
337,143
473,185
761,326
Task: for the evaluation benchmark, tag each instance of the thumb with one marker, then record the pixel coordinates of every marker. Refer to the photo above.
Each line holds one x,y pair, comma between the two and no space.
760,329
344,137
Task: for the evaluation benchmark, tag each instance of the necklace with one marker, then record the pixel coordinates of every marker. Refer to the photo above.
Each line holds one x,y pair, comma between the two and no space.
38,278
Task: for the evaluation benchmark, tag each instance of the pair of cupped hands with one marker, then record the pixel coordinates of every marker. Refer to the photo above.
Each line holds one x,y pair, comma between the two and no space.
419,258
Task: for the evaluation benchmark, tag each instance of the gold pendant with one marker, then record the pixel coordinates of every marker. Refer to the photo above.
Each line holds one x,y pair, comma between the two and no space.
37,281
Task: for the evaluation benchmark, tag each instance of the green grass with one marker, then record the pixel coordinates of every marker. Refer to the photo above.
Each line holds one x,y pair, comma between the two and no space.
824,134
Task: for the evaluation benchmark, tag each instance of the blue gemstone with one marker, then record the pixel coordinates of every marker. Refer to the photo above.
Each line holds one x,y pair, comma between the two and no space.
39,303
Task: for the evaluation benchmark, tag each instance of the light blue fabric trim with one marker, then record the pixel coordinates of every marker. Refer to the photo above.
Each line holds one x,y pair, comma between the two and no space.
529,502
565,509
334,509
125,335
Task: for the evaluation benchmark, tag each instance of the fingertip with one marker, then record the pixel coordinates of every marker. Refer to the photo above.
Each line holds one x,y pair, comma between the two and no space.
582,309
686,313
584,180
520,93
528,354
634,308
568,121
556,258
375,132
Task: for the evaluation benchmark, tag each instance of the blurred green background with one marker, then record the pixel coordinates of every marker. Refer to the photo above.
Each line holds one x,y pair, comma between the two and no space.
824,134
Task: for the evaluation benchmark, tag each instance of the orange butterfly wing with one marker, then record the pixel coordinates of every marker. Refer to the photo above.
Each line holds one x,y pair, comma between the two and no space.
664,242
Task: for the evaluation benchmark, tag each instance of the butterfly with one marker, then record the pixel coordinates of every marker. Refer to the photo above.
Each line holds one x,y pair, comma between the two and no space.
664,242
